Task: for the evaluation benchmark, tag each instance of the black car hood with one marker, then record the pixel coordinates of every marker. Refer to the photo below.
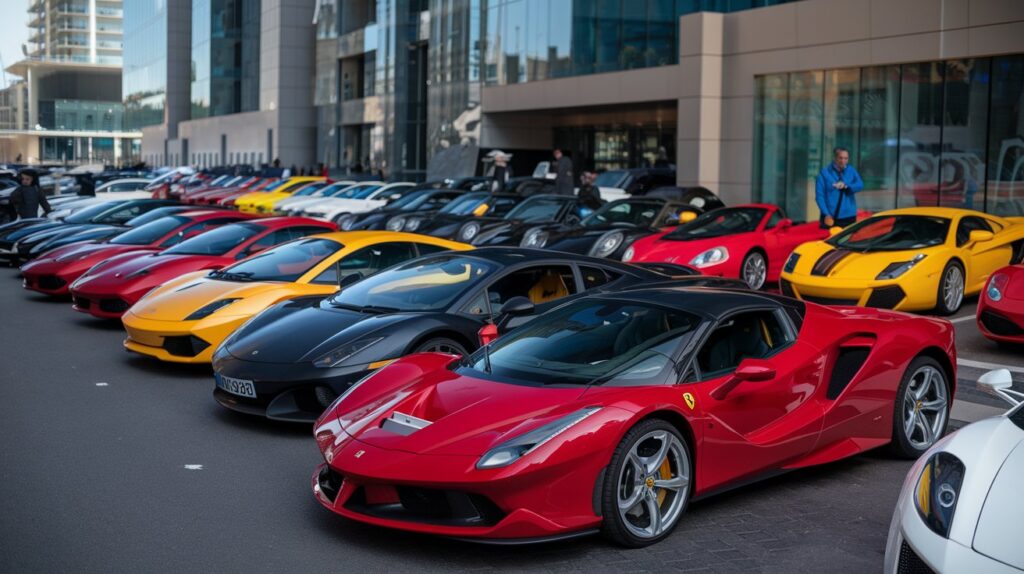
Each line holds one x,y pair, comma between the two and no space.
503,232
23,232
93,234
301,333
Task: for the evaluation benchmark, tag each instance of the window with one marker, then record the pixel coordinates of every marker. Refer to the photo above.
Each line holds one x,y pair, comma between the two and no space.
775,219
367,261
967,225
192,231
542,284
428,249
595,277
751,335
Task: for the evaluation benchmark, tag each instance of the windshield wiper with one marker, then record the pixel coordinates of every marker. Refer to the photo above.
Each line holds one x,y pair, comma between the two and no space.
232,276
378,310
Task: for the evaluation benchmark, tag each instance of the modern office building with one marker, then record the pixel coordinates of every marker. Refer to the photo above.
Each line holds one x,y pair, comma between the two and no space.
216,82
745,97
68,106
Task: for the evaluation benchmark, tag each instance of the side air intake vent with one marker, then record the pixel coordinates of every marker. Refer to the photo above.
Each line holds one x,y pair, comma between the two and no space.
849,361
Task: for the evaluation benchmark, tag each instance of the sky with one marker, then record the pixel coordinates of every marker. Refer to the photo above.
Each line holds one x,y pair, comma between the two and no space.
14,15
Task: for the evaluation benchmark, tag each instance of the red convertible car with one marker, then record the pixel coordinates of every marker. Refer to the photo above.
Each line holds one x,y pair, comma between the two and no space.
748,242
1001,306
111,287
613,411
55,270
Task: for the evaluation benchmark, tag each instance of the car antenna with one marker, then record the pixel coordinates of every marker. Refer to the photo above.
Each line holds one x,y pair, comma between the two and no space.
490,320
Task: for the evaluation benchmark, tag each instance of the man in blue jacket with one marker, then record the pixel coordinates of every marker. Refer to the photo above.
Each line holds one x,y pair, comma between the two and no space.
834,191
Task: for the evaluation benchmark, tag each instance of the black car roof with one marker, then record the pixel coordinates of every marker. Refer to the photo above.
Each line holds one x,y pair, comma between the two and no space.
710,302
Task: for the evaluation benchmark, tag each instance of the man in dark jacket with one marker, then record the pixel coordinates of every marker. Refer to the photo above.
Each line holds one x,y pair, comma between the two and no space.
29,197
86,186
563,173
589,194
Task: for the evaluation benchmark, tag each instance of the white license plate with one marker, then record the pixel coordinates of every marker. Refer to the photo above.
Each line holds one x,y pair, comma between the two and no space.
240,387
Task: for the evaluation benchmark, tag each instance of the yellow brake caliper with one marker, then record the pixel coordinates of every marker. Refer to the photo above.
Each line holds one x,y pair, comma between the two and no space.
666,473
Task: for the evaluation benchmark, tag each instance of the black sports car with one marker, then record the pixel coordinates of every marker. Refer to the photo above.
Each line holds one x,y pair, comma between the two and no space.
424,200
509,230
699,197
610,230
447,221
292,360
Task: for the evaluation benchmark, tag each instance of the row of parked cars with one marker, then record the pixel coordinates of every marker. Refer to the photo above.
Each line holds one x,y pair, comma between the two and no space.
483,367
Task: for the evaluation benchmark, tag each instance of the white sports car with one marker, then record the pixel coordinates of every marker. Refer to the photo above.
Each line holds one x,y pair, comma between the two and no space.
359,198
129,188
310,195
962,500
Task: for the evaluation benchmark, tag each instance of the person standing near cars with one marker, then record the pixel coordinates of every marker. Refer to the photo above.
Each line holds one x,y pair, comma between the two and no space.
28,197
563,173
835,188
86,186
589,194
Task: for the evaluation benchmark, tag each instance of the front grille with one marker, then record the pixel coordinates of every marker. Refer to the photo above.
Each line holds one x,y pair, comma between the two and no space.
113,306
330,482
886,297
82,303
787,288
911,563
427,505
185,345
51,282
849,361
999,325
828,300
828,262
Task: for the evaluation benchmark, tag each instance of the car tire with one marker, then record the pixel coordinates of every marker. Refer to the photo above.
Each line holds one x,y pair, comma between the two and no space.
952,278
441,345
927,372
754,269
622,484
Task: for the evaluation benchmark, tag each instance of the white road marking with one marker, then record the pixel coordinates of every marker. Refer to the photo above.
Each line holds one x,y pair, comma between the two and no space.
193,467
101,384
988,366
962,319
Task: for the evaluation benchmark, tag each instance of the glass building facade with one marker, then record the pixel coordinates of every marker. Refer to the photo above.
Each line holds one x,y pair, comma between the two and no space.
144,77
225,57
946,133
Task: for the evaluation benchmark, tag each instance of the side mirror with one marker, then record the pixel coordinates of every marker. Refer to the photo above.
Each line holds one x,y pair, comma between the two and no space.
834,231
514,307
349,279
981,236
487,333
1000,383
749,370
784,224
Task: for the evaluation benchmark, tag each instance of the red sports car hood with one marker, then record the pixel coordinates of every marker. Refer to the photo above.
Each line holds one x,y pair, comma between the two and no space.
81,252
660,250
127,268
466,415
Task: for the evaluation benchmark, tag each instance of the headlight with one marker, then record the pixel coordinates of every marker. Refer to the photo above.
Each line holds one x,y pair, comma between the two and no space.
937,492
209,309
535,238
996,286
395,223
628,255
516,448
468,232
894,270
607,244
791,262
413,224
712,256
347,223
342,353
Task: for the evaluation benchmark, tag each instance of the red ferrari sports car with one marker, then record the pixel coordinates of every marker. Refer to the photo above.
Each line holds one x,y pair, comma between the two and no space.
111,287
214,196
748,242
55,270
1001,306
613,411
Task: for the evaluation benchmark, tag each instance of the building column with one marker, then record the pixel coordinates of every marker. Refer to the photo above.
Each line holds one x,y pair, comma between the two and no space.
92,31
699,129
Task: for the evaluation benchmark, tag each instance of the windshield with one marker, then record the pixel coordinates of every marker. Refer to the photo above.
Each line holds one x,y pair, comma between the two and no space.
358,191
465,204
285,262
86,214
612,178
538,209
640,213
275,186
217,241
590,342
153,215
150,232
893,232
421,285
309,189
719,222
411,201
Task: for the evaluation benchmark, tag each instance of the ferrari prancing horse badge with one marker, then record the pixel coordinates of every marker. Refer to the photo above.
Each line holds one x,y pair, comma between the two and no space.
689,400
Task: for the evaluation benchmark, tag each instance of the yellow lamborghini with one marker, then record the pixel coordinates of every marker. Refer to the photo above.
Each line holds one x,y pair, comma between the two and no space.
185,320
913,259
263,201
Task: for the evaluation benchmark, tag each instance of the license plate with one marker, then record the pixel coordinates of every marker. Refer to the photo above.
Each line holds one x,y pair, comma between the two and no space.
240,387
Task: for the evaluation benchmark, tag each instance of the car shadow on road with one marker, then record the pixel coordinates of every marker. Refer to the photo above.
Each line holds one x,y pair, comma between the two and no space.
99,324
155,367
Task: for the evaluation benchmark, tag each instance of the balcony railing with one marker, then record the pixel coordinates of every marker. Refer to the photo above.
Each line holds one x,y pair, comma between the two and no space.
110,45
73,9
109,12
109,30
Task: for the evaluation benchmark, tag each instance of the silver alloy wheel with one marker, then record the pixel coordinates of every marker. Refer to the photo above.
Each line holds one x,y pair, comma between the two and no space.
925,407
442,347
755,270
654,484
953,288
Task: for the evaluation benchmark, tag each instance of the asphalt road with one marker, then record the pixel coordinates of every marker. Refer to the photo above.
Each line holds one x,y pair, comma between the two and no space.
112,463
